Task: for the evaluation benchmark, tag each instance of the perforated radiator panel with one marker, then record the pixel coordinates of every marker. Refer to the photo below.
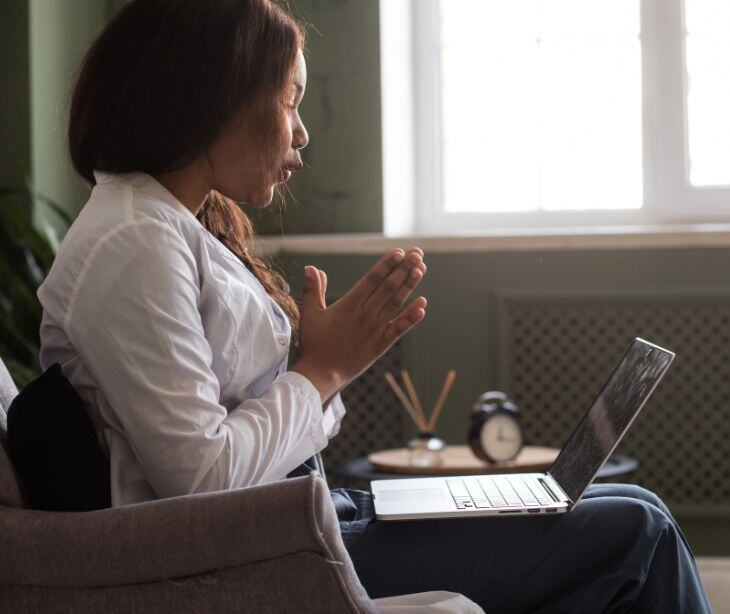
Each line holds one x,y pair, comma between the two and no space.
374,418
557,353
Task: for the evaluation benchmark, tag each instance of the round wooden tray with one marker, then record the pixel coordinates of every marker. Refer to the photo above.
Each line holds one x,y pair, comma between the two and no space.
460,459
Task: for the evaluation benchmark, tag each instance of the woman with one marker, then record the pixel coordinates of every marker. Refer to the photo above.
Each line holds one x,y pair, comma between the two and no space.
176,334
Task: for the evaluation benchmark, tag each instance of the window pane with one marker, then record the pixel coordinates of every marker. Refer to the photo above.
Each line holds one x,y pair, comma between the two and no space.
541,104
708,91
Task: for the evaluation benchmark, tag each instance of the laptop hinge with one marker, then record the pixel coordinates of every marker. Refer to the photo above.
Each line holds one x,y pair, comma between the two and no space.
555,489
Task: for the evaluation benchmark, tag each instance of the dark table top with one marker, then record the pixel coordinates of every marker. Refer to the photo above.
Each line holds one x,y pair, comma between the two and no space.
362,470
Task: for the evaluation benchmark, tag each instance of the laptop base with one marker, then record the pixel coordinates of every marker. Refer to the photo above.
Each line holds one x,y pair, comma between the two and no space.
504,495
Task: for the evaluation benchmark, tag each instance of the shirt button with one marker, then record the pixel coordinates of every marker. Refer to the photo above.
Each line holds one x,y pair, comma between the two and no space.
282,341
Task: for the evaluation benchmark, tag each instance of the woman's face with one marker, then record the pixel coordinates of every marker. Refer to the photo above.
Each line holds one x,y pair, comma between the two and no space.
240,171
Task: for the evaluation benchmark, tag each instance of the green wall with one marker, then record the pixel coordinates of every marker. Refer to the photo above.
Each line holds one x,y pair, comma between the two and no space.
59,34
41,45
340,188
15,88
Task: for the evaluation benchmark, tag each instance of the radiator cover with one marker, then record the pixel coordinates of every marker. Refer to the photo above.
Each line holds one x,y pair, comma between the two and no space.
556,351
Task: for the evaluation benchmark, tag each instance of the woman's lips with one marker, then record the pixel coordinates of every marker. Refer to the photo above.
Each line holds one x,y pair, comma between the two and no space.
288,169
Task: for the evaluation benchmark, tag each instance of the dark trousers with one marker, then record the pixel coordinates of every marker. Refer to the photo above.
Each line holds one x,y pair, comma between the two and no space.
618,550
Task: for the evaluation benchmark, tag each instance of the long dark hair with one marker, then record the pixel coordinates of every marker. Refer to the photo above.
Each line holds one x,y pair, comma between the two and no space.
162,81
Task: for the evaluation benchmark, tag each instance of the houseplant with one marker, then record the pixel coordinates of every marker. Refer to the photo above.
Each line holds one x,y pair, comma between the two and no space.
27,249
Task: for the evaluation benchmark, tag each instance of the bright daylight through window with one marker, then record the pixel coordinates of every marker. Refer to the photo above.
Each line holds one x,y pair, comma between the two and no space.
527,113
708,68
553,91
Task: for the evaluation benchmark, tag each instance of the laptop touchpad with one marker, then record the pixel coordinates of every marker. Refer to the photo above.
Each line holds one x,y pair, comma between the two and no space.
416,494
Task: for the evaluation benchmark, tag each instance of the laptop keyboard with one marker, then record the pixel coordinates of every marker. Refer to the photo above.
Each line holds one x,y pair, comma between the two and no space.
497,491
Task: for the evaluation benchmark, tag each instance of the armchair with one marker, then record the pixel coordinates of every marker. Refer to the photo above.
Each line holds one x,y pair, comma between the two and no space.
268,548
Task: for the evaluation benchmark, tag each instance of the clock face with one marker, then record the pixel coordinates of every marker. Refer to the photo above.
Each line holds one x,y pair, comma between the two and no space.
501,437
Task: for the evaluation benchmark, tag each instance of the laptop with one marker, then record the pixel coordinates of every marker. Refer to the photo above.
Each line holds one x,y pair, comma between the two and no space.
554,492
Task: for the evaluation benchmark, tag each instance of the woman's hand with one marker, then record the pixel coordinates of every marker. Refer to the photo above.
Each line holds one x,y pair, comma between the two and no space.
339,342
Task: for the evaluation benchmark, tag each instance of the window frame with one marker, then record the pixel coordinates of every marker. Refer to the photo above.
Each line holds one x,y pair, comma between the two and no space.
669,198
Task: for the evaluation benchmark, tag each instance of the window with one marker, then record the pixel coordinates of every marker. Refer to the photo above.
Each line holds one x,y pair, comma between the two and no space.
708,95
527,113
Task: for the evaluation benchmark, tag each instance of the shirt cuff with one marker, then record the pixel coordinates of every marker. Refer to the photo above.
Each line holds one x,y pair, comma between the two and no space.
314,403
334,411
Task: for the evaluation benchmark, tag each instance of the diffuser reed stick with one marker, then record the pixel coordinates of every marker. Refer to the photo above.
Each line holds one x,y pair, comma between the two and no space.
414,407
442,397
414,397
421,425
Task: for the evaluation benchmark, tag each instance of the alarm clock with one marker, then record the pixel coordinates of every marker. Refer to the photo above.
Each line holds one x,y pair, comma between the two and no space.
496,434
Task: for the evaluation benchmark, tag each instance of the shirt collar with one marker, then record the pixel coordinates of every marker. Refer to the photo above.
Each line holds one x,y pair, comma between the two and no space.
146,184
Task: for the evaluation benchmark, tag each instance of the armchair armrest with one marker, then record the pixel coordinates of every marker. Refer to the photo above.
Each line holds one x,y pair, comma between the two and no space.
176,537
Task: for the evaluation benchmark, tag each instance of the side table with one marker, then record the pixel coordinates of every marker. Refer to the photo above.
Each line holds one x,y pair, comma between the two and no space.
357,473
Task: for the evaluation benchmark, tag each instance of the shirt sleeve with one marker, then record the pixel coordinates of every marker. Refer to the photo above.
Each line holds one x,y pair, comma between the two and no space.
334,409
333,414
134,319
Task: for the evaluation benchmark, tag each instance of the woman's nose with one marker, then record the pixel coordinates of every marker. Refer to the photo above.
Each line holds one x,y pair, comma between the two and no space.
300,136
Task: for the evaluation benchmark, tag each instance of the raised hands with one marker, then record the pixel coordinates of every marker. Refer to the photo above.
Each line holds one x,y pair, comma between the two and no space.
339,342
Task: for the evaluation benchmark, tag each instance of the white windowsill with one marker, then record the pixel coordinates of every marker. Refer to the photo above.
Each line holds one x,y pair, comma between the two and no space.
511,240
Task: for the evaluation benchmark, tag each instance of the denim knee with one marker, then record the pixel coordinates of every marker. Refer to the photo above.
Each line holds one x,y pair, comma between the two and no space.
627,519
631,491
639,492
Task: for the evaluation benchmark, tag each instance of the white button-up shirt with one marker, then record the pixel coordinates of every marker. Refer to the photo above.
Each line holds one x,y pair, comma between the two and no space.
176,349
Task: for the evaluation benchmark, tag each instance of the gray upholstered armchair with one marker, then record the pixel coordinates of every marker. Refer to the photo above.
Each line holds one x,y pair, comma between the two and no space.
269,548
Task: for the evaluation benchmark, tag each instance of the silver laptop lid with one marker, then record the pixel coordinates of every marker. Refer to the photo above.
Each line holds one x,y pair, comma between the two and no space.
641,368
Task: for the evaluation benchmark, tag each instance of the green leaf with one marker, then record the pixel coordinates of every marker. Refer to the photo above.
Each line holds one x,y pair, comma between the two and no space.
22,347
26,255
25,232
21,374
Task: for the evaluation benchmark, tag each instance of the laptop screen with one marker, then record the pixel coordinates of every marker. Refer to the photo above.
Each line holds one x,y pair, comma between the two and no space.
603,426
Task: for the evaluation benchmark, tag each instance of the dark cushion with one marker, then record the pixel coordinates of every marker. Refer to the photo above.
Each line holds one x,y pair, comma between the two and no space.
53,445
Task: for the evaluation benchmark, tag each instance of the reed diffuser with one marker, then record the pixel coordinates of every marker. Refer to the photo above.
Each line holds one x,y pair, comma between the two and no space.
424,450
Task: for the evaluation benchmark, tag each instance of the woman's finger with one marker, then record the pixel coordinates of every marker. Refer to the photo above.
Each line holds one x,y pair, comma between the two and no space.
405,321
369,282
323,288
419,251
416,250
390,286
392,306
